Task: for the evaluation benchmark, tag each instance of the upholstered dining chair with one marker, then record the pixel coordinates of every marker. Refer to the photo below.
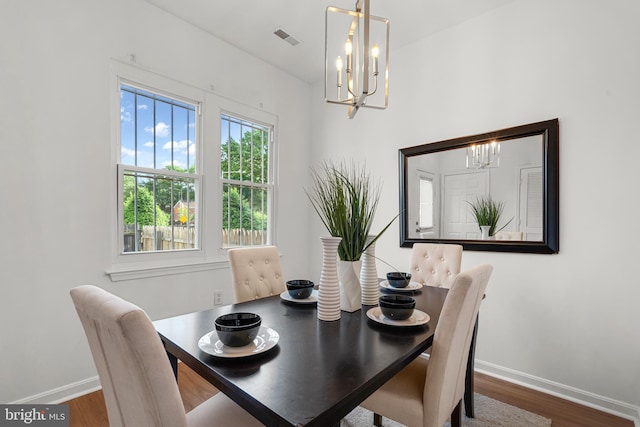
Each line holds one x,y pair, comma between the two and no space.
428,391
509,235
256,272
434,264
138,383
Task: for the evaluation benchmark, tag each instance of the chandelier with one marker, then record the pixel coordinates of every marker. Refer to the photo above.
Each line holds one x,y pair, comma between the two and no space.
356,58
481,156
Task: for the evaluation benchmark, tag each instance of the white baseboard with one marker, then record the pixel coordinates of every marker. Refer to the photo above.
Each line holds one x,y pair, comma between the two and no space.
585,398
62,394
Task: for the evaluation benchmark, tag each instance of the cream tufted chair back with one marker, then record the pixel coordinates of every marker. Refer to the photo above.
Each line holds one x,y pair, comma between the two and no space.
429,391
256,272
435,264
509,235
140,389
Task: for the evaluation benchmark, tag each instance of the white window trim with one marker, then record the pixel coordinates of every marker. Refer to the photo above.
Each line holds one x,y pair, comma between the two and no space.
210,255
139,263
212,182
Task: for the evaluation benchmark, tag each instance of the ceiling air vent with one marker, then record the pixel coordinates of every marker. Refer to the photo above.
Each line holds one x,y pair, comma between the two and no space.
286,37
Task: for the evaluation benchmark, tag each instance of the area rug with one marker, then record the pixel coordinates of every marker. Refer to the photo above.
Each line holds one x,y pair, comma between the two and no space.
489,413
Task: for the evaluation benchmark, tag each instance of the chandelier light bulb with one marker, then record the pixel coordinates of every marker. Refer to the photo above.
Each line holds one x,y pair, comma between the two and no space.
348,47
375,52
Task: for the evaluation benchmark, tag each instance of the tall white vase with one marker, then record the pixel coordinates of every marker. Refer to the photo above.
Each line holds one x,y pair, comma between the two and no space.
484,232
329,288
369,275
350,294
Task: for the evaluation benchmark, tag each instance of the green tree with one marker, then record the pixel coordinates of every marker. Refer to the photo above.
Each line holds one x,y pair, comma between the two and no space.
246,160
165,197
231,200
145,210
253,164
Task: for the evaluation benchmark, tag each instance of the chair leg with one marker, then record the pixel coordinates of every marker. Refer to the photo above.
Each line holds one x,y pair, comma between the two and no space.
456,415
377,420
469,383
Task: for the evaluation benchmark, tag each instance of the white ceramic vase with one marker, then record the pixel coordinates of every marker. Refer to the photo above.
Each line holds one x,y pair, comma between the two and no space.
369,275
484,232
329,288
350,294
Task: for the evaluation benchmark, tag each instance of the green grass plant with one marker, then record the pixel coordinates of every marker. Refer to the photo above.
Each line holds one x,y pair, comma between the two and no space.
487,212
345,198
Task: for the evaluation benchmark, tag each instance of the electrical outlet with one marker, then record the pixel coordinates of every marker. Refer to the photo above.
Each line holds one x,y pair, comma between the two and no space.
217,297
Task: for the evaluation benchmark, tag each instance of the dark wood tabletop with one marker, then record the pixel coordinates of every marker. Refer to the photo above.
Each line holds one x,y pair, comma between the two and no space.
318,372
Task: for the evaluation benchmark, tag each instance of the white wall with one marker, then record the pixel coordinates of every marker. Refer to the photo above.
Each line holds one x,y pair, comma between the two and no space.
55,146
567,323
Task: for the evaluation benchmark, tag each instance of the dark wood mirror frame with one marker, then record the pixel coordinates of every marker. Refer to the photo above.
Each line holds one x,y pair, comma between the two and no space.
549,130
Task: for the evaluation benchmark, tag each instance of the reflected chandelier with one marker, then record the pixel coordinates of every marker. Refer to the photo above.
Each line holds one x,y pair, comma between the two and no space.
363,41
481,156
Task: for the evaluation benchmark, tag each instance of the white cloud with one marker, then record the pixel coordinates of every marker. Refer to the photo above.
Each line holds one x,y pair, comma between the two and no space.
177,145
149,144
125,116
127,152
161,129
142,107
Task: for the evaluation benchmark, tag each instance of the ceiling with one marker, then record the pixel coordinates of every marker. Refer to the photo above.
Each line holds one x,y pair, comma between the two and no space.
250,24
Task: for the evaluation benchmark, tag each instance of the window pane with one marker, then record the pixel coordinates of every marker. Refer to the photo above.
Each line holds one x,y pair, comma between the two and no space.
127,128
244,213
161,134
426,203
159,212
145,142
244,168
159,207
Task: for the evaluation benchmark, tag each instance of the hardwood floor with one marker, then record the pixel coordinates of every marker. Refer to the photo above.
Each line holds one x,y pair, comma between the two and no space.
89,410
563,413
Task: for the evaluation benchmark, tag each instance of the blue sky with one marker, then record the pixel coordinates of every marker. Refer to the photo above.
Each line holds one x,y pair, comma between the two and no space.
165,133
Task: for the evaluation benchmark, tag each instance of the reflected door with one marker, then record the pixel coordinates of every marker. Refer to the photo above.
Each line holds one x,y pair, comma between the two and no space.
457,189
531,203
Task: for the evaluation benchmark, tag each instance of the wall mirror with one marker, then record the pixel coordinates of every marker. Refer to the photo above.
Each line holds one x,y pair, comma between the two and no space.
516,167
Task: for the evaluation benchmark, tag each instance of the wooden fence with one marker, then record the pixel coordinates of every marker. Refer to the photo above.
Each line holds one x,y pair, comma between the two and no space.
183,237
241,237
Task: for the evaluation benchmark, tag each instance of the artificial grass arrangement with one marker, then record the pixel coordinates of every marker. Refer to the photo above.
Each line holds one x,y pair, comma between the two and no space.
487,212
346,199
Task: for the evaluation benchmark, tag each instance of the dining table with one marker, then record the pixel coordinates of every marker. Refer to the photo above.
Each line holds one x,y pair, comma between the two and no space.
302,371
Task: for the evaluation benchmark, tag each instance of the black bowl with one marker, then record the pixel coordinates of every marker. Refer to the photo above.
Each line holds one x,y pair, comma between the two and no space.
397,307
398,280
300,289
238,329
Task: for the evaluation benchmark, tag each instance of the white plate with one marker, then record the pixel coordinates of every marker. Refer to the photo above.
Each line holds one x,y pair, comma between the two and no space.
311,299
417,318
412,286
266,339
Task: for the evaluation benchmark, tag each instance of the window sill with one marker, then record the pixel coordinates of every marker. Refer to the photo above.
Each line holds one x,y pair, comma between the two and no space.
119,275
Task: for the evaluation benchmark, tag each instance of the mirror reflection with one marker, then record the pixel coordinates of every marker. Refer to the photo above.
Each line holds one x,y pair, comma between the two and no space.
441,187
496,191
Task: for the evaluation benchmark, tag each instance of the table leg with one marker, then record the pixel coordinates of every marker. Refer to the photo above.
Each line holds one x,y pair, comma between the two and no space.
173,361
469,380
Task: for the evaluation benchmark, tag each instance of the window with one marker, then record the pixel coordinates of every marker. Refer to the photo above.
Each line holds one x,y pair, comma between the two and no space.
157,170
426,203
247,186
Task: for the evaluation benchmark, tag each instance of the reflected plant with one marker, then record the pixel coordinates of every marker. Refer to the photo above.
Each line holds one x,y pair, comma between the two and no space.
487,212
